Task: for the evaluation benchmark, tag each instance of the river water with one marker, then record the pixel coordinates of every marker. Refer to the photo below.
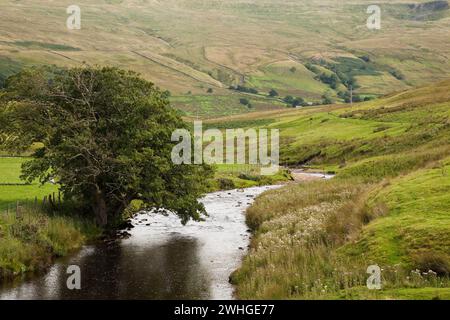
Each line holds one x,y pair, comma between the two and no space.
160,260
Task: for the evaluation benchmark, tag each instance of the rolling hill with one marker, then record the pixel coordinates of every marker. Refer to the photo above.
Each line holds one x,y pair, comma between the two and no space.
388,204
199,49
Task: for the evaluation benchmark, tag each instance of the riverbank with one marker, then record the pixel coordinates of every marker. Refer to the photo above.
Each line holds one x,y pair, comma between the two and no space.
316,239
160,258
388,204
229,177
31,239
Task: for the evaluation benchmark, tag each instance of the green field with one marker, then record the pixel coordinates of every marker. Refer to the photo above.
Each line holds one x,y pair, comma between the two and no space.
209,106
418,220
13,189
287,81
10,169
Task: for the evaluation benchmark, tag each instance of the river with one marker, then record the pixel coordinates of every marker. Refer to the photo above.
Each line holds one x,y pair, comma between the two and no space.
160,260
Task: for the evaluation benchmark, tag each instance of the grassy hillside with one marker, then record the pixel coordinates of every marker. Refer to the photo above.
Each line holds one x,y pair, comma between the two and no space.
388,205
192,46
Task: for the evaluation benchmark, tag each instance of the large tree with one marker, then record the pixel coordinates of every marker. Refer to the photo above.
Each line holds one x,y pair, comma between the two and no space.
105,136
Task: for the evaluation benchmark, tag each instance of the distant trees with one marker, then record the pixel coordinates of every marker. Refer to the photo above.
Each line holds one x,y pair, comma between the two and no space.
312,68
210,90
348,81
332,80
326,98
294,102
339,73
365,58
273,93
244,89
293,69
345,95
288,99
245,102
397,74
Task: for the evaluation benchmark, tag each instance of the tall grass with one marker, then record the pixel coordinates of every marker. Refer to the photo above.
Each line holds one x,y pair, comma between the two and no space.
295,252
305,243
30,238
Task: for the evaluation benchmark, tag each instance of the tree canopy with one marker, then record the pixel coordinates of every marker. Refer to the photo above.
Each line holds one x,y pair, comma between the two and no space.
105,137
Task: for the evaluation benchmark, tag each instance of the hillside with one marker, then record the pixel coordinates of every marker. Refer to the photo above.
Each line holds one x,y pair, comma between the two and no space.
388,204
198,49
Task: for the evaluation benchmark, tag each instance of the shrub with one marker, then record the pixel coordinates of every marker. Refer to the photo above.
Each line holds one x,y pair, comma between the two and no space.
226,184
244,101
247,176
273,93
431,260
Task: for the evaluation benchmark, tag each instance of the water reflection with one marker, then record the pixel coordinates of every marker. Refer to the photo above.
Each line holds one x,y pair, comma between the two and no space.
169,270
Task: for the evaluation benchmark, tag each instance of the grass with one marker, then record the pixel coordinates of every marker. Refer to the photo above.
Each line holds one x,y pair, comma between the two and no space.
206,106
253,43
51,46
10,195
287,81
244,176
11,170
418,220
13,189
388,205
31,237
341,134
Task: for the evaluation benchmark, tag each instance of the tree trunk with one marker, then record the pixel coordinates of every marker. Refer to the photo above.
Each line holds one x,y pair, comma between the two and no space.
101,212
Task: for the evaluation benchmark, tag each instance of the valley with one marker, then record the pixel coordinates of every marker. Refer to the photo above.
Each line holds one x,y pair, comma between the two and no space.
198,50
364,149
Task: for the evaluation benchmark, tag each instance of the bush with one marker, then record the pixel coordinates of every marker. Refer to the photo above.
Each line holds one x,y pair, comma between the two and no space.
244,89
273,93
429,260
244,101
397,74
294,102
226,184
332,80
246,176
